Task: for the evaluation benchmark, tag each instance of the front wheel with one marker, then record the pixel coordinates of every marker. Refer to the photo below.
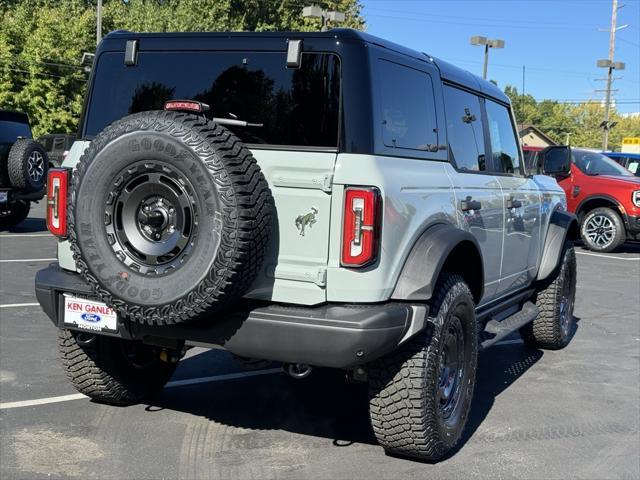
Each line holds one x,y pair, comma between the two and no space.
112,370
420,395
555,299
602,230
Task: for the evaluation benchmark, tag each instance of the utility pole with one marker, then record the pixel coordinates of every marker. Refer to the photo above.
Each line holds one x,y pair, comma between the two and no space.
99,22
610,65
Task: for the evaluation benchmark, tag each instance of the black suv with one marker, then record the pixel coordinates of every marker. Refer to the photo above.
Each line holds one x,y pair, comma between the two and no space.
23,168
57,146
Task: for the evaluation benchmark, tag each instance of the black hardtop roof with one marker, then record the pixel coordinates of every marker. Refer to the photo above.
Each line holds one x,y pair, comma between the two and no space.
448,72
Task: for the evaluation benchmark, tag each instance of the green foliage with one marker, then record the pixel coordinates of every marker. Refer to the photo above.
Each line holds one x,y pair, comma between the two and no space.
42,42
580,121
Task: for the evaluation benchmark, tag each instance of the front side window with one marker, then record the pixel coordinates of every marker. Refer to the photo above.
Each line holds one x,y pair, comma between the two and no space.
504,145
594,163
464,129
408,108
296,107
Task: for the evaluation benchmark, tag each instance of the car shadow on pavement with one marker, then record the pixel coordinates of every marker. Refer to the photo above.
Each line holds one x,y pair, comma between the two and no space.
29,225
325,405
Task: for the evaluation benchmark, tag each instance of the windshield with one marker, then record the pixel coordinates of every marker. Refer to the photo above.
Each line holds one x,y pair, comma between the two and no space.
297,106
593,163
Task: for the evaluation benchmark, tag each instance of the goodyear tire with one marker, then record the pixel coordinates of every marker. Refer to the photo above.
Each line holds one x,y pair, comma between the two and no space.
112,370
27,165
420,395
169,217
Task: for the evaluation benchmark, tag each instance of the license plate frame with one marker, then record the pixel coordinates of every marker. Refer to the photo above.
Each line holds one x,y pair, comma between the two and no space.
88,315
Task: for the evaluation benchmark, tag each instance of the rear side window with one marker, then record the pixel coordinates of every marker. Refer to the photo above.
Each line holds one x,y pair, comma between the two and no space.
408,108
464,129
504,145
297,107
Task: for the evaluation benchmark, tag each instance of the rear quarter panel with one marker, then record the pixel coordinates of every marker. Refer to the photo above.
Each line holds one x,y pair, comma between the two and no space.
415,193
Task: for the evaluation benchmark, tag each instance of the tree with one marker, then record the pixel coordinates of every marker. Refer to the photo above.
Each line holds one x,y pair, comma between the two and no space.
581,122
42,42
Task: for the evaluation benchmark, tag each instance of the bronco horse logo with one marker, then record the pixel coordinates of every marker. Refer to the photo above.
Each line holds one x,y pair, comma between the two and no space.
302,221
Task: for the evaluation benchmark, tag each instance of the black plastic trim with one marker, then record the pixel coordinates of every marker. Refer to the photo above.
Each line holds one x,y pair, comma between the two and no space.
426,259
561,225
331,335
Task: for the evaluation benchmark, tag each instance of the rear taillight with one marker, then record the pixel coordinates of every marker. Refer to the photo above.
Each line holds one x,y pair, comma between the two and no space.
57,201
361,228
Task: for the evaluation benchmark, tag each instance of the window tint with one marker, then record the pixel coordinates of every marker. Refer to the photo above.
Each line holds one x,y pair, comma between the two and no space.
408,108
10,131
504,145
297,107
464,129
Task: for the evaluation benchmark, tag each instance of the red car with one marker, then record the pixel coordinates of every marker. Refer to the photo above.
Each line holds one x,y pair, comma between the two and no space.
604,196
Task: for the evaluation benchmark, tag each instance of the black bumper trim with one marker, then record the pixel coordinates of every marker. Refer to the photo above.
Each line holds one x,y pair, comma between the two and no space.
331,335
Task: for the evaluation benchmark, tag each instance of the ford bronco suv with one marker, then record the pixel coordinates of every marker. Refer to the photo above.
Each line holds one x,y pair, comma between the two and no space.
603,194
317,199
23,168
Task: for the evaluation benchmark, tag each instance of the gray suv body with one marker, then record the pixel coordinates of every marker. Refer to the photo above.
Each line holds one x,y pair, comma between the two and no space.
396,229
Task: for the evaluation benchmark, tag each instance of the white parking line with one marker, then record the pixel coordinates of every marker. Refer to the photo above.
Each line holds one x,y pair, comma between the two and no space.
609,256
176,383
12,235
17,305
15,260
41,401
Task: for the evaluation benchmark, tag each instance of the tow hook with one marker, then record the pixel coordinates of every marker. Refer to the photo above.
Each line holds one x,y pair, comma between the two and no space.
297,370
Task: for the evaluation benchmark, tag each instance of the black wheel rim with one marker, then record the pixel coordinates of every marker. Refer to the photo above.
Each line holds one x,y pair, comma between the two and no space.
451,369
151,218
35,166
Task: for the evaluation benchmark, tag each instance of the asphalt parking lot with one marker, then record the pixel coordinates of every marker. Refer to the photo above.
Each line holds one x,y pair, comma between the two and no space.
568,414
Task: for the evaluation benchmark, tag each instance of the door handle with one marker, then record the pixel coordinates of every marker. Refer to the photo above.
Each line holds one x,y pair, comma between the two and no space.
513,203
470,204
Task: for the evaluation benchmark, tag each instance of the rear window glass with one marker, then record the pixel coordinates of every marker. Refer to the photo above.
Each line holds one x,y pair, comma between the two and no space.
297,107
10,131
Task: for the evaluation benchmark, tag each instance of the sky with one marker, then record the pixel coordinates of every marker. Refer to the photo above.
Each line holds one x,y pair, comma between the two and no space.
558,41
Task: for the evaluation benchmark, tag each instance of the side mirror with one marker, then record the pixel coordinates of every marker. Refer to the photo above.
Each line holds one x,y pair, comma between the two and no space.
555,161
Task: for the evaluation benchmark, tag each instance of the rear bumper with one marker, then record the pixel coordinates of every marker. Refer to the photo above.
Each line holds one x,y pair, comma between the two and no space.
332,335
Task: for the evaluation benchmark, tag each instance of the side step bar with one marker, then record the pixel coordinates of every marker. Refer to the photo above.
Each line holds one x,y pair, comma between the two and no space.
499,329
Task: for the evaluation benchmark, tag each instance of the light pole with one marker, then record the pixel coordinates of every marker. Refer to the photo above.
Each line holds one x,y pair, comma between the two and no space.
496,43
327,16
99,22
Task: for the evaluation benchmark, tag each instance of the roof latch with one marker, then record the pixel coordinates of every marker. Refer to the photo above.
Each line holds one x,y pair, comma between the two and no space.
294,54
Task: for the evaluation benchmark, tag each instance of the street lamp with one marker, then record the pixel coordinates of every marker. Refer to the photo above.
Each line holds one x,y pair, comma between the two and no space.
478,40
327,16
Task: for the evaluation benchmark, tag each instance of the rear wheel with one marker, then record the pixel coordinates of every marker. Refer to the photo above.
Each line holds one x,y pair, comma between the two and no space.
14,213
420,395
112,370
602,230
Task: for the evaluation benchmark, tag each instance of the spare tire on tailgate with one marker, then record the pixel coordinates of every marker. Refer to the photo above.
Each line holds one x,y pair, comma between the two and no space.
170,217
